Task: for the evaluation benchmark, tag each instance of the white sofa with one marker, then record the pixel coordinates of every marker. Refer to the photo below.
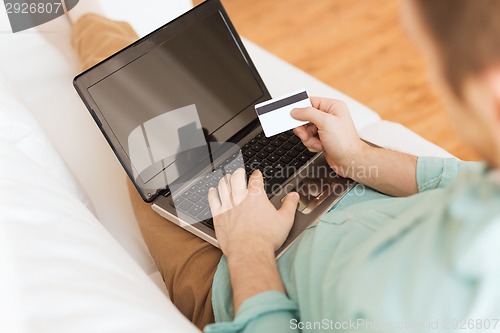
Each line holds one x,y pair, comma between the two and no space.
44,123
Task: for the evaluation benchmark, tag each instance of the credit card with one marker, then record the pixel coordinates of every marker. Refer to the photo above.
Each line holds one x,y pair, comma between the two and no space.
274,115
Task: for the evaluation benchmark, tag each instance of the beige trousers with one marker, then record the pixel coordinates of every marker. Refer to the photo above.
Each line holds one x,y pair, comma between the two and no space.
186,263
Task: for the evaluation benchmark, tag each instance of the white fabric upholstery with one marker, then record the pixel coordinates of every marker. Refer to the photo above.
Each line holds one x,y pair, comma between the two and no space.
63,271
18,127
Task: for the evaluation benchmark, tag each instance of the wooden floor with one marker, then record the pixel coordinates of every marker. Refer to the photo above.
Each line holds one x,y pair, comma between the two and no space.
358,47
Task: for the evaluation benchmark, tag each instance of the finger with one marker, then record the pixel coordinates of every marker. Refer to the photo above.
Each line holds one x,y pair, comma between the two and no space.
329,105
310,114
314,145
312,130
289,204
308,134
238,186
306,131
256,183
225,192
213,201
301,132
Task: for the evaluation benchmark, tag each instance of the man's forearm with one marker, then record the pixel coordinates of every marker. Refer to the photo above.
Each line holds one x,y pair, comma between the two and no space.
253,273
387,171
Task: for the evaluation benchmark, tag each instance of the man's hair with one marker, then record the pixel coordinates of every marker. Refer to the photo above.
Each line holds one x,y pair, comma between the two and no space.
466,34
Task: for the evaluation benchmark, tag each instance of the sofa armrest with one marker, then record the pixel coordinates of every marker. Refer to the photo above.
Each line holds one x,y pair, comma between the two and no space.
395,136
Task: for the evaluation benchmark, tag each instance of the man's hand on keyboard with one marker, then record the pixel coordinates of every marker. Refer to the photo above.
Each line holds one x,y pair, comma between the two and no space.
244,218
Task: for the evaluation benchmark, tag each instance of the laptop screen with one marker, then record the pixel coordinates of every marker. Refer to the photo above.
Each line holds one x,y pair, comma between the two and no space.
166,106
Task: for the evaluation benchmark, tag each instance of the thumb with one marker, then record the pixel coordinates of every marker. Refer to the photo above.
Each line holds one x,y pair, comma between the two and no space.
309,114
289,205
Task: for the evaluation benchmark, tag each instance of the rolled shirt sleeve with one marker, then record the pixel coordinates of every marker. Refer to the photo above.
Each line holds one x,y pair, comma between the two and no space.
437,172
270,311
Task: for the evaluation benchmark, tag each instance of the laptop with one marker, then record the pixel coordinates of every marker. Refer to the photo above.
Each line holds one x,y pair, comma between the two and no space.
177,109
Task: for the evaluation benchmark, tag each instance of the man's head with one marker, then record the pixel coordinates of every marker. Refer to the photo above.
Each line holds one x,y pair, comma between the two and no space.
461,41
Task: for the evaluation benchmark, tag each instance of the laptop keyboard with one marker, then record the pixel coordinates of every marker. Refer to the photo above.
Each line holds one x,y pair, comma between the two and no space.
278,158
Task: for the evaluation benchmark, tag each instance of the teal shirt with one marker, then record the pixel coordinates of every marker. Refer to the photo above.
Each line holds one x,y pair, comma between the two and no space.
425,263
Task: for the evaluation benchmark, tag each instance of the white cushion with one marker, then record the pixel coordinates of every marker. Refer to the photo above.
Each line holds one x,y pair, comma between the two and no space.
61,270
18,127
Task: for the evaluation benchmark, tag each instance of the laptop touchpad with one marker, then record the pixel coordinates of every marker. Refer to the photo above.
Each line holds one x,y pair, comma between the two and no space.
320,183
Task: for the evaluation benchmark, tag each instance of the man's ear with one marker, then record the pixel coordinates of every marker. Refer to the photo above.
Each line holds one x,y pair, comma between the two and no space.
492,78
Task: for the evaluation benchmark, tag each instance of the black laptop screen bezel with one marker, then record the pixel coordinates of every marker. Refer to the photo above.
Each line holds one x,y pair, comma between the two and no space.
95,74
